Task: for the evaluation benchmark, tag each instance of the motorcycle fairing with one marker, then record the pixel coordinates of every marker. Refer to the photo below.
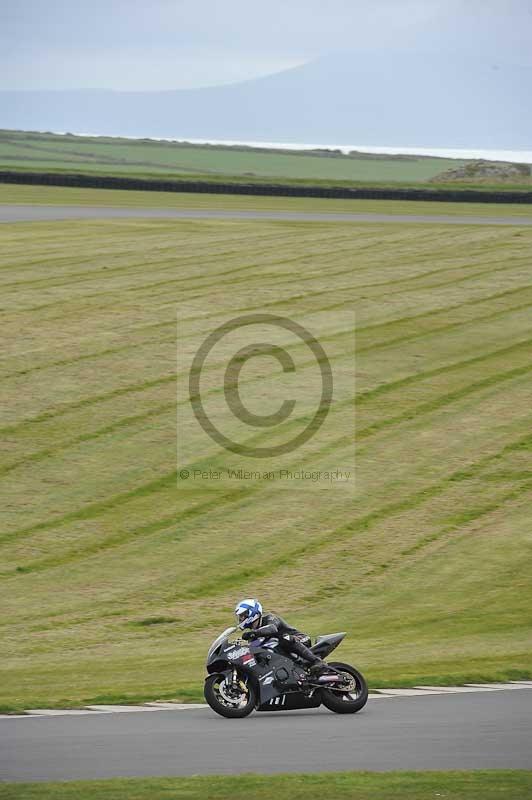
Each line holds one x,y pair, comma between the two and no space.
261,663
290,701
326,644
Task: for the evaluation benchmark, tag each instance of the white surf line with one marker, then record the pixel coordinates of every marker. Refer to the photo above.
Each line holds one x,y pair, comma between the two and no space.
167,705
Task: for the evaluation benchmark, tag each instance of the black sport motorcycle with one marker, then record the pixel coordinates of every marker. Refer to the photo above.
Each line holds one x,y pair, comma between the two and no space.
248,675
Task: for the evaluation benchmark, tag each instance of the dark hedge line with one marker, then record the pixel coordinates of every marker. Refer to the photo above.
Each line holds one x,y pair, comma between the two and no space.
263,189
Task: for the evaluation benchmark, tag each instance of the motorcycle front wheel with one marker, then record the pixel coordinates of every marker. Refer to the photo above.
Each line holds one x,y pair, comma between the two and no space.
229,699
353,697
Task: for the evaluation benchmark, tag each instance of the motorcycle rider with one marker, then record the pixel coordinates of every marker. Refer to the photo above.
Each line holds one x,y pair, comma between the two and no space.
256,624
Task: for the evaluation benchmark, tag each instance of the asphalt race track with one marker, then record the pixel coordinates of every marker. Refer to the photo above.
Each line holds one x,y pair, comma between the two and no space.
434,732
28,213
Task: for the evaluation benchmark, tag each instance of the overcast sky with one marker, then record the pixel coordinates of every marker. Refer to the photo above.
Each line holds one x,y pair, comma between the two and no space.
172,44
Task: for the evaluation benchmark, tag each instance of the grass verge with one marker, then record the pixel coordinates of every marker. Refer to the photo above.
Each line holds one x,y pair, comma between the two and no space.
62,195
466,785
194,694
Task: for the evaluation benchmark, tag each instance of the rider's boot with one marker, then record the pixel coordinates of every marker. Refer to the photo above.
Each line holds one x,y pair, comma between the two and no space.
314,665
317,668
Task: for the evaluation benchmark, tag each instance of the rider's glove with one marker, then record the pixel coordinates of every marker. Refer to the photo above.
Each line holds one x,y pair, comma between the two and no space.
248,635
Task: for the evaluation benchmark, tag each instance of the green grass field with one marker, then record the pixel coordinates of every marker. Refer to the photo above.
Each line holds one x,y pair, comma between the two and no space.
479,785
115,576
105,155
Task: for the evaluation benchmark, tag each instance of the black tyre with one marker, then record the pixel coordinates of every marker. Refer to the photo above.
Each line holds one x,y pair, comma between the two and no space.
355,695
229,700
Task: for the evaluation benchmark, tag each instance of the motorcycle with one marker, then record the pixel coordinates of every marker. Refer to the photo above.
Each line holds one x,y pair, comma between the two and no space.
247,675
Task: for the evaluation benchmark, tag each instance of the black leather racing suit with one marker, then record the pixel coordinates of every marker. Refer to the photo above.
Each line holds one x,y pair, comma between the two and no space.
289,642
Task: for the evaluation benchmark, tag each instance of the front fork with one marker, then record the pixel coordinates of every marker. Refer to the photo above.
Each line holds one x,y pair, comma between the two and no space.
239,682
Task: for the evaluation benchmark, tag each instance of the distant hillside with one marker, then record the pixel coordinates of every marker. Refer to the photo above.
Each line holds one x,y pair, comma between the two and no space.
399,100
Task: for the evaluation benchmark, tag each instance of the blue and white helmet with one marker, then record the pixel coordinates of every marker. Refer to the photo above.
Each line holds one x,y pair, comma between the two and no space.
247,612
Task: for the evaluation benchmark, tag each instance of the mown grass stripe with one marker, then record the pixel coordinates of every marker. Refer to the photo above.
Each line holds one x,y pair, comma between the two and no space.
108,351
87,401
362,398
289,301
49,452
296,258
466,518
347,530
364,287
177,263
464,304
244,493
95,509
324,338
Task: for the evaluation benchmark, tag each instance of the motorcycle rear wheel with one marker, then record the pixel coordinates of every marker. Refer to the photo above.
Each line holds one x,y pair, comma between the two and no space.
346,702
218,703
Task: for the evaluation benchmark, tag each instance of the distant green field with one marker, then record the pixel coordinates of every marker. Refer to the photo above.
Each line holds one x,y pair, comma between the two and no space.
110,156
115,577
